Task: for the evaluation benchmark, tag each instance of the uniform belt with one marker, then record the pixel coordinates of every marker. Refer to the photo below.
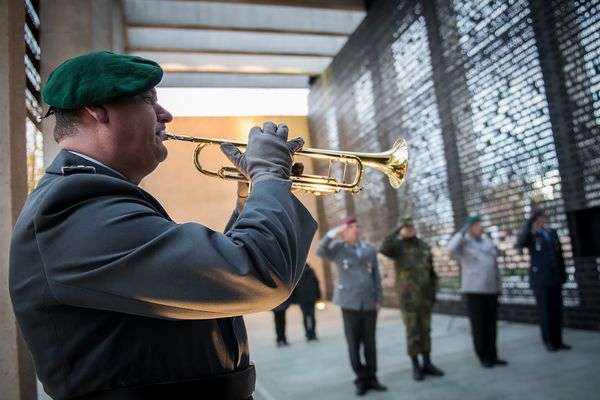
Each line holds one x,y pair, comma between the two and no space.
236,385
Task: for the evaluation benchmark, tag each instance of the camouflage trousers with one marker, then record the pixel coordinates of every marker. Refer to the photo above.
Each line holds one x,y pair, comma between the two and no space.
418,329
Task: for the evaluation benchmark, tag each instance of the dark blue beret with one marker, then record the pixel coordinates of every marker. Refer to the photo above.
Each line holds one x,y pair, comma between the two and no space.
99,78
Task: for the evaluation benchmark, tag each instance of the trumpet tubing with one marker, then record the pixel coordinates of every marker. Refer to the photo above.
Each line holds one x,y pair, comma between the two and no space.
393,163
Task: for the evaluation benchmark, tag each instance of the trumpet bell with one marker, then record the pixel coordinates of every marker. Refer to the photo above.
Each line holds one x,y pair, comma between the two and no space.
393,163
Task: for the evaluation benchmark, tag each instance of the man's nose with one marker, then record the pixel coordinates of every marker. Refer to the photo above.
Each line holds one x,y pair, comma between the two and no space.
163,115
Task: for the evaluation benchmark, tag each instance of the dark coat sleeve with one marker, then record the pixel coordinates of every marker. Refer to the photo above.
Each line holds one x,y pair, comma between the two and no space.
104,247
525,238
560,259
389,247
327,248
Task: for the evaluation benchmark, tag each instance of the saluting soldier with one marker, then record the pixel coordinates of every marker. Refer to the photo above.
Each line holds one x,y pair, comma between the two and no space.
416,283
546,276
481,283
359,293
114,299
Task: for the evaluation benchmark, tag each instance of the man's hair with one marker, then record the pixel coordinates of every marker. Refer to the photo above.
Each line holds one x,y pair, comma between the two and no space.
67,122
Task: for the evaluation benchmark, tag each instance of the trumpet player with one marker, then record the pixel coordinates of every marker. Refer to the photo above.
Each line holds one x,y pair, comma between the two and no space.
113,298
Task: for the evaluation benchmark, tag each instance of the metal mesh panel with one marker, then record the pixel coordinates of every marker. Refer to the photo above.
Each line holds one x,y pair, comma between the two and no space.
499,103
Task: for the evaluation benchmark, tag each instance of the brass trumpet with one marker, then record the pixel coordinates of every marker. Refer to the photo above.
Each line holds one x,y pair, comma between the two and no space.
393,163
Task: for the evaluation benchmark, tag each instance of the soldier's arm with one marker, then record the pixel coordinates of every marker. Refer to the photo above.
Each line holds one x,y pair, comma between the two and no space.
377,277
525,237
455,243
389,247
325,248
560,258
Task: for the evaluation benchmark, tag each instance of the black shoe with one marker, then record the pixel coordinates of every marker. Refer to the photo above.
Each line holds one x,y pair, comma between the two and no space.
551,348
487,364
499,361
361,390
374,384
418,374
563,346
417,371
430,369
281,343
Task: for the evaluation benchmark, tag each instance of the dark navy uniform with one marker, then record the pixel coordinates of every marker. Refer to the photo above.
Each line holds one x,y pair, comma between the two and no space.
546,276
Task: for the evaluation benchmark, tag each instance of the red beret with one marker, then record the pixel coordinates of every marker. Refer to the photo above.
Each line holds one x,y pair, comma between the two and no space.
349,220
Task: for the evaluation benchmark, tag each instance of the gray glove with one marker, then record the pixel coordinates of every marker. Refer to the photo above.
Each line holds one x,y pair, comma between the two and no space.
268,154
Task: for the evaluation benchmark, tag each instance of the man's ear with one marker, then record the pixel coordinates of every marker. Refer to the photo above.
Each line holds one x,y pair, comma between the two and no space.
99,113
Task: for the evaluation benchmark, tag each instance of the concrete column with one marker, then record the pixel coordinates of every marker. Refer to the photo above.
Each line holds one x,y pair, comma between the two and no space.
69,28
17,378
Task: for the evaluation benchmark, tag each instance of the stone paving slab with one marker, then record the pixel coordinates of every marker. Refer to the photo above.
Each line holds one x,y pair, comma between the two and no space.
321,370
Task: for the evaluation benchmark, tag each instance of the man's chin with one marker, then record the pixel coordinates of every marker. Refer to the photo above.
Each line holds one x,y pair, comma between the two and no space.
164,153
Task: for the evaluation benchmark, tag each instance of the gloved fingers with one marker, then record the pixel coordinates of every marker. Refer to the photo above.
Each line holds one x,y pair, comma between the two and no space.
282,131
231,152
295,144
270,128
254,134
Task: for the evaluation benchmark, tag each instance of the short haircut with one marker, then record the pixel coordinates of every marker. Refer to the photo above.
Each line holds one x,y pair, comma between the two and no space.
67,122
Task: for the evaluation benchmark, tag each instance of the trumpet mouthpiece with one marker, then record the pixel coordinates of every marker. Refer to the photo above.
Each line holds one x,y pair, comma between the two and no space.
163,135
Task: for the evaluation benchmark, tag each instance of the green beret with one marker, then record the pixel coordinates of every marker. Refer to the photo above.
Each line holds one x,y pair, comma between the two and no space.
407,221
472,220
99,78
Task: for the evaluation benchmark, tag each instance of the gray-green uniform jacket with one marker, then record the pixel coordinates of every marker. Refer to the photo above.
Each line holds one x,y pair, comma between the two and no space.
416,279
478,263
109,292
358,282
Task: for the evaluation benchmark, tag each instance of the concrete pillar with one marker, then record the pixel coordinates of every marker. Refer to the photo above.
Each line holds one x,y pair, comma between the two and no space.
17,378
69,28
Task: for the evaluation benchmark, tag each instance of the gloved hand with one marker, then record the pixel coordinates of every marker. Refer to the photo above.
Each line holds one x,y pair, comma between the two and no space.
268,153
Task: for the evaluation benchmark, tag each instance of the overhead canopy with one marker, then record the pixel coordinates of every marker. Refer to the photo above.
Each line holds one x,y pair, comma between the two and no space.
251,43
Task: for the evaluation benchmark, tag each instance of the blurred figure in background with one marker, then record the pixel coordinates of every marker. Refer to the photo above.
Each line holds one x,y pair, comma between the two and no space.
481,284
416,283
279,318
306,294
546,275
358,292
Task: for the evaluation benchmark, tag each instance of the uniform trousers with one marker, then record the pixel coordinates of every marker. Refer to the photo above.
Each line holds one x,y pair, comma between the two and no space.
483,314
308,318
418,330
359,328
280,325
549,307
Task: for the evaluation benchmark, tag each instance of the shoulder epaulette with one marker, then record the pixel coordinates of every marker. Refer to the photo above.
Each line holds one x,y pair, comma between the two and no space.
78,169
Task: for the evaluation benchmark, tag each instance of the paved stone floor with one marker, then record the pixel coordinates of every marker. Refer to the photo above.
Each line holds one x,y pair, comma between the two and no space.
321,370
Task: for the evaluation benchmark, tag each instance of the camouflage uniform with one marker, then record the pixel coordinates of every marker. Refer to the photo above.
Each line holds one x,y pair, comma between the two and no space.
416,283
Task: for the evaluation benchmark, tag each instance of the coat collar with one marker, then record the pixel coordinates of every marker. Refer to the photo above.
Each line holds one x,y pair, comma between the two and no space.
68,159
